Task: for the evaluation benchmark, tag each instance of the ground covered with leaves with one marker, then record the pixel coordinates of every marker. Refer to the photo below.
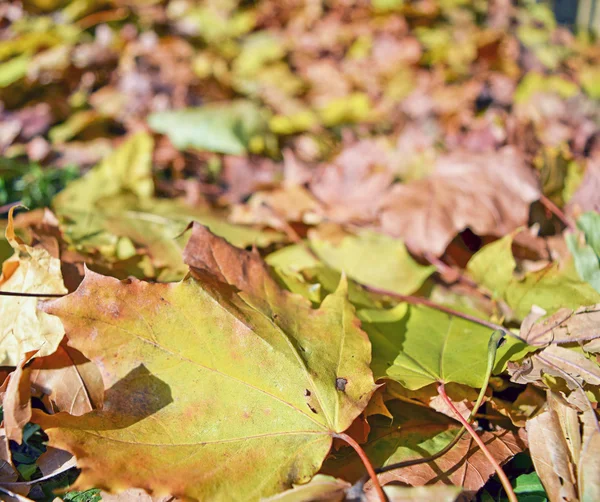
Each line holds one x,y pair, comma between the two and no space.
296,251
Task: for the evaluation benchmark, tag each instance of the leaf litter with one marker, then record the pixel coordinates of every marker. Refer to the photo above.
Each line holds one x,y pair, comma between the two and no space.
283,252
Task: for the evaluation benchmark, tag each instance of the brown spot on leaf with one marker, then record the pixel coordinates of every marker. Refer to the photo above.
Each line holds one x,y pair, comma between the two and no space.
306,393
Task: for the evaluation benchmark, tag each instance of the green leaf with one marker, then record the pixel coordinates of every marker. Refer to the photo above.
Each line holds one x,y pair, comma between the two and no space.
111,210
587,255
374,260
417,346
224,128
553,287
128,169
92,495
529,488
14,69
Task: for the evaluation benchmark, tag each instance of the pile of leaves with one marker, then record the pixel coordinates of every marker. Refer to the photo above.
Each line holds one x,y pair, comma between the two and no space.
298,250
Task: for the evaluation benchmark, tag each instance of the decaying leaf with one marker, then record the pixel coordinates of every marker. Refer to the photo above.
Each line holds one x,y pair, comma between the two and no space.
562,456
263,364
16,405
67,381
489,194
8,472
565,326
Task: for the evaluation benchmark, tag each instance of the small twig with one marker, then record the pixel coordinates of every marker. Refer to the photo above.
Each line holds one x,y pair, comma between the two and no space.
32,295
367,463
6,207
446,270
416,300
556,211
501,474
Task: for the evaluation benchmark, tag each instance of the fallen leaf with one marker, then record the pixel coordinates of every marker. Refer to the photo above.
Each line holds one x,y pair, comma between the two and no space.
439,493
23,327
586,197
352,187
564,326
321,488
553,287
217,127
555,445
488,193
393,270
418,432
324,488
67,381
127,169
16,405
417,346
586,254
134,495
241,339
8,472
116,218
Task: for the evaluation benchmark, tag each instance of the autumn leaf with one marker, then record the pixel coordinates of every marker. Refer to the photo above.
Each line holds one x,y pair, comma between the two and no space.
23,327
564,326
67,381
127,169
553,287
419,432
16,406
284,385
112,210
428,213
394,270
324,488
219,128
562,457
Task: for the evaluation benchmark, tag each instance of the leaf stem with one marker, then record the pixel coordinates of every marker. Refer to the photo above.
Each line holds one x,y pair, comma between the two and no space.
367,463
447,270
556,211
417,300
501,474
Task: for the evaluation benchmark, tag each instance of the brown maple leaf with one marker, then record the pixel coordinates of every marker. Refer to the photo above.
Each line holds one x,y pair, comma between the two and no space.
488,193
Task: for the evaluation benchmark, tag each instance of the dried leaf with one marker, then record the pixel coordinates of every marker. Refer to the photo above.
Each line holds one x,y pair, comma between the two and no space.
16,402
488,194
23,327
418,432
67,381
565,326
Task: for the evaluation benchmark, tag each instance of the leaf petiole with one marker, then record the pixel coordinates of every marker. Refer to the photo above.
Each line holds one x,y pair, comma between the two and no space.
501,474
367,463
